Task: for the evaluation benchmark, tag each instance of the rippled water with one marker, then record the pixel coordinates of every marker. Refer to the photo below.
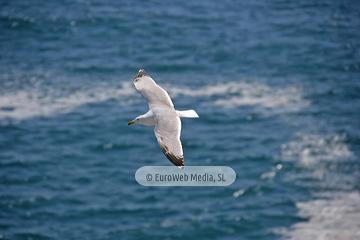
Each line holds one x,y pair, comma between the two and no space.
276,85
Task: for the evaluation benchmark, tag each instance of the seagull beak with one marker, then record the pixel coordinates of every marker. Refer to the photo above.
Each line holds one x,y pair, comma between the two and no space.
131,122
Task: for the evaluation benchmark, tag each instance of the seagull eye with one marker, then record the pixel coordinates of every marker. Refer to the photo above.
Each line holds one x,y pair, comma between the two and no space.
137,119
136,80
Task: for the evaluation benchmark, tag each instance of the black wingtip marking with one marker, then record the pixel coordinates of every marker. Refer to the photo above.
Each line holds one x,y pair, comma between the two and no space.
140,74
176,160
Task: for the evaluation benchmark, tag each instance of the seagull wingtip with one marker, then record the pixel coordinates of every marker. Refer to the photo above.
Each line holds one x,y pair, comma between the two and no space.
141,73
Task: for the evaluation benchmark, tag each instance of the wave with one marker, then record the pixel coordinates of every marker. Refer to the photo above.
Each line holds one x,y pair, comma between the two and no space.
332,219
333,215
37,101
238,93
312,150
34,102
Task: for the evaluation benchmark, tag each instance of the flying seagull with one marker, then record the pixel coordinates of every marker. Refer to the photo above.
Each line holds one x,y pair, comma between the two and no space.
162,114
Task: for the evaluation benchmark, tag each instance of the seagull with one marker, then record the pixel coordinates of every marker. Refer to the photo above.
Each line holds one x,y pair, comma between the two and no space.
162,114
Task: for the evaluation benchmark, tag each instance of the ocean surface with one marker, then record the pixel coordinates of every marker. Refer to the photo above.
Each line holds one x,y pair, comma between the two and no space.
276,85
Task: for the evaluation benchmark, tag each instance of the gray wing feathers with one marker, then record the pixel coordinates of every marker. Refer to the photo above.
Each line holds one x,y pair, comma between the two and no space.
153,93
167,132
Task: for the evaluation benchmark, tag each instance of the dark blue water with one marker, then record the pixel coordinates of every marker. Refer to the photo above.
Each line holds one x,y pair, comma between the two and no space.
276,85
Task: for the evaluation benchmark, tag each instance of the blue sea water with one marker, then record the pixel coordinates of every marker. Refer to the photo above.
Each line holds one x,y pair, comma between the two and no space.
276,85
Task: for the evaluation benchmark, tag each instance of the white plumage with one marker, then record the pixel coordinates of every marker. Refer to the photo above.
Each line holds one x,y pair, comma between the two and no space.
163,114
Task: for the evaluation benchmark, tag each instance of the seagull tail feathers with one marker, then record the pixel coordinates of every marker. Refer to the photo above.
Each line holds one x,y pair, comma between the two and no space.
187,114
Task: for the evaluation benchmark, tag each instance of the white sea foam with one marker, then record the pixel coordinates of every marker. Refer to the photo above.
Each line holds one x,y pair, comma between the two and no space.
34,102
239,193
336,215
46,101
238,93
311,150
337,218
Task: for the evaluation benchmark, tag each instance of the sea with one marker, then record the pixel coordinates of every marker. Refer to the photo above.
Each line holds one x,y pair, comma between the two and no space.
276,85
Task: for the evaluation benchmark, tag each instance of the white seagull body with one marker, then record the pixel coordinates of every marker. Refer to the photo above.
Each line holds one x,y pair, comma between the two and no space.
162,114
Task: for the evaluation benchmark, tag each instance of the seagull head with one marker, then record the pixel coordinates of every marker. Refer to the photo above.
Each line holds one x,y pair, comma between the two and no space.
137,120
147,121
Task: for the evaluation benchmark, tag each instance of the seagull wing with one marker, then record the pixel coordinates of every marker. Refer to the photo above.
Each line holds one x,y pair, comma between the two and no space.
167,132
153,93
